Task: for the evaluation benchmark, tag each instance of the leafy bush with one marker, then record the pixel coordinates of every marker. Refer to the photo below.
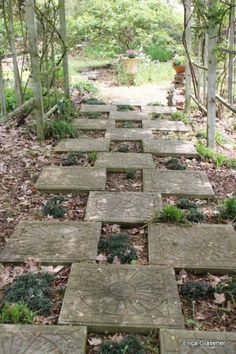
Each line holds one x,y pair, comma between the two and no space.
86,87
16,313
194,290
54,208
194,215
31,289
123,148
175,164
186,204
59,129
171,213
125,108
93,101
228,209
10,96
118,245
131,344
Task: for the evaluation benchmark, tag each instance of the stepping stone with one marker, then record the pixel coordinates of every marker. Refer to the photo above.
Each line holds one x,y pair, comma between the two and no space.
27,339
135,134
200,342
122,207
91,124
165,110
97,108
83,145
53,242
200,247
71,179
166,126
165,148
120,162
194,184
128,116
119,298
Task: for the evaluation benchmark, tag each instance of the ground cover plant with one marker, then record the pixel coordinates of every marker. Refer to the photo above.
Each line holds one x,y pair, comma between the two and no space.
53,207
184,211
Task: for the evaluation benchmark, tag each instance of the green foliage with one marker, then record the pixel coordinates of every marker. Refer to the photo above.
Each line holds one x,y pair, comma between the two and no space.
16,313
123,148
131,344
125,108
92,156
131,174
194,290
70,160
93,101
118,245
93,115
128,124
175,164
54,208
59,129
180,116
157,103
86,87
10,96
171,213
195,215
214,156
31,289
228,288
186,204
228,209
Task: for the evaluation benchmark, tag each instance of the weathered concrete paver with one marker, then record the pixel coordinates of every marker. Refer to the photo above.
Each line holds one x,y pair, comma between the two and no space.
71,179
95,124
118,161
97,108
197,342
53,242
122,207
196,247
132,134
82,145
163,110
128,116
121,297
165,148
193,184
26,339
166,126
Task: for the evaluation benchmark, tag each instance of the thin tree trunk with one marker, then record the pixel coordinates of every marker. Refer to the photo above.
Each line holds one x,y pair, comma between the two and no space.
64,37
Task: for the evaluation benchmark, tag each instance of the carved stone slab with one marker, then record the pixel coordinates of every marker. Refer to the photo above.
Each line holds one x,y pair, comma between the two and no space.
128,116
122,207
193,184
53,242
71,179
198,247
82,145
166,126
169,148
119,162
134,134
97,108
91,124
25,339
197,342
121,298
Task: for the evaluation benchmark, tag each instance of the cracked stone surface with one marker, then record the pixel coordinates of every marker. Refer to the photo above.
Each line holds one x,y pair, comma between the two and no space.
87,124
197,342
53,242
164,148
117,161
195,247
83,145
26,339
193,184
97,108
71,179
128,116
166,126
132,134
122,207
121,297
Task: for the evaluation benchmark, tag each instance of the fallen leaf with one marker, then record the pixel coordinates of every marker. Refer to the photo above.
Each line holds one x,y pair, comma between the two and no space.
94,341
101,258
219,298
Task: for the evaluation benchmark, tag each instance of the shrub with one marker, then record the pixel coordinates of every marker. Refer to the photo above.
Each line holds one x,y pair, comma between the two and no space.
186,204
125,108
123,148
16,313
228,209
93,101
10,97
109,347
194,290
54,208
171,213
31,289
118,245
175,164
59,129
131,344
86,87
195,215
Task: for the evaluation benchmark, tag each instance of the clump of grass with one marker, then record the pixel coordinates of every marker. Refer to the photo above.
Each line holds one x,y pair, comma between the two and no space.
54,208
159,104
171,213
92,156
86,87
186,204
228,209
180,116
93,101
131,344
125,108
123,148
194,290
59,129
16,313
175,164
214,156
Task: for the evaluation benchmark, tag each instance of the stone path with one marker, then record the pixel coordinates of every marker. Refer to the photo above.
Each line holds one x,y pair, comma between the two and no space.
121,297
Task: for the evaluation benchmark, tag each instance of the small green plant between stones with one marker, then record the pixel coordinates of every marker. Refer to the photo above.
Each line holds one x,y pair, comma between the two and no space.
93,101
195,215
228,209
54,208
118,245
92,156
194,290
130,174
180,116
159,104
94,115
228,288
171,213
123,148
16,313
59,129
125,108
31,289
128,124
175,164
186,204
70,160
131,344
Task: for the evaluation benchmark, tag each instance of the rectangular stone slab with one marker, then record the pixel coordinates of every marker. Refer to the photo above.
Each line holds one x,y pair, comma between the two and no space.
122,207
193,184
71,179
165,126
97,108
121,297
134,134
20,339
164,148
82,145
128,116
91,124
190,342
52,242
159,110
118,161
197,247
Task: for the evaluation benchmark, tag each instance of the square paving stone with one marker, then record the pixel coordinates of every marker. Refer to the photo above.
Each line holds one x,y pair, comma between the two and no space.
117,161
193,184
128,116
97,108
71,179
26,339
197,342
53,242
82,145
195,247
122,207
166,126
134,134
89,124
120,297
165,148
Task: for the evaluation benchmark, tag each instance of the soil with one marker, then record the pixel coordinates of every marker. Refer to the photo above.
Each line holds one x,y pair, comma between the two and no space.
133,146
94,134
157,134
128,124
119,182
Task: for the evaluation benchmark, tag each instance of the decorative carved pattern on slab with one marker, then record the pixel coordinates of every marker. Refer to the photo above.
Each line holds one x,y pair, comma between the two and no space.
164,148
123,207
121,161
196,247
179,183
53,242
122,296
197,342
83,145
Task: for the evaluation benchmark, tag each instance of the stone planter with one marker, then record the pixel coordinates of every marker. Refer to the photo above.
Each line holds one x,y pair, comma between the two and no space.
179,69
